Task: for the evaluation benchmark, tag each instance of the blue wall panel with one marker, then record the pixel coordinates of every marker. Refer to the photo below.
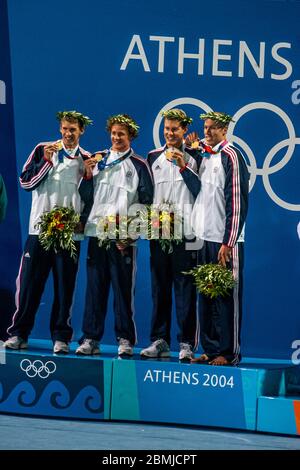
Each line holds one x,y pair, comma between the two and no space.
69,55
10,241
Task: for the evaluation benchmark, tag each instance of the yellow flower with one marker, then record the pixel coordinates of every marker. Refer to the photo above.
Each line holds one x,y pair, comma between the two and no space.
165,217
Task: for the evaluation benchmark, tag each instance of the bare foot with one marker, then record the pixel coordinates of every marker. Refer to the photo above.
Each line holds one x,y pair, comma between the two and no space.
201,359
219,361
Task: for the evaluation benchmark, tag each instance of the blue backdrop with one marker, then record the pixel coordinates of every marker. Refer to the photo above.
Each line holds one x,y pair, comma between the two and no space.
104,57
10,234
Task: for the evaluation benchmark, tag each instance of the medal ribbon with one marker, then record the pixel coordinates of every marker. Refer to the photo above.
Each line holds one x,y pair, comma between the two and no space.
102,165
208,151
62,154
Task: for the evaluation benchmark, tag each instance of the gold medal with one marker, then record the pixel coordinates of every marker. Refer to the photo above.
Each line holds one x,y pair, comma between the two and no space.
59,144
195,144
98,157
169,153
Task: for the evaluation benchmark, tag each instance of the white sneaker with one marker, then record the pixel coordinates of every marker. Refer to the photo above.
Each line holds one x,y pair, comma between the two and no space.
89,347
15,342
158,348
60,347
186,352
125,348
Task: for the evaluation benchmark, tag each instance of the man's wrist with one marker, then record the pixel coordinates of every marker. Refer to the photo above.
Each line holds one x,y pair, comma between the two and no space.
88,175
227,245
182,169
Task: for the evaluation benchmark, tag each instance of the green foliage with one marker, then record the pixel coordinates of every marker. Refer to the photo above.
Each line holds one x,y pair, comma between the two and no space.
112,228
178,115
83,120
57,228
162,223
222,119
213,280
125,120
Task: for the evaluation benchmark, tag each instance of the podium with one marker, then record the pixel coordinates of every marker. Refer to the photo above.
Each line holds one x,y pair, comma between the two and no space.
38,382
281,414
256,395
170,392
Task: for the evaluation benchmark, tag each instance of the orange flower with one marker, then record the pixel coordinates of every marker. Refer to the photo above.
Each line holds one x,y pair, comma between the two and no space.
155,223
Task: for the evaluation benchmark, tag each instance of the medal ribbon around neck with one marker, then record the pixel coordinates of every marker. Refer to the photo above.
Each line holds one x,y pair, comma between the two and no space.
62,154
208,151
102,165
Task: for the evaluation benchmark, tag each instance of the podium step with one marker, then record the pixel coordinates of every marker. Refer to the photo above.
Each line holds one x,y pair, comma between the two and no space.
279,415
38,382
106,387
170,392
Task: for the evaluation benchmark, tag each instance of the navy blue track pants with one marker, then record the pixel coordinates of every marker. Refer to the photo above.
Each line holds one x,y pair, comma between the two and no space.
220,318
107,267
166,273
36,264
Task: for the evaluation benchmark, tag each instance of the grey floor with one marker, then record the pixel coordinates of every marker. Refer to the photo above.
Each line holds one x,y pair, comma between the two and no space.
50,434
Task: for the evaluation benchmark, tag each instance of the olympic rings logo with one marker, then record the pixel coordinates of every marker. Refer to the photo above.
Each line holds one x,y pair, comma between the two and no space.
267,169
32,369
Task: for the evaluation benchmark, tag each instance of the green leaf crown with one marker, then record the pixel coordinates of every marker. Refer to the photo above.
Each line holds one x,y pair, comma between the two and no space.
126,120
222,119
83,120
178,115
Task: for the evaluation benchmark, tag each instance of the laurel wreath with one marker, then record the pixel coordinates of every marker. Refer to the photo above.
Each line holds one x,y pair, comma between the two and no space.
213,280
220,118
178,115
123,119
83,120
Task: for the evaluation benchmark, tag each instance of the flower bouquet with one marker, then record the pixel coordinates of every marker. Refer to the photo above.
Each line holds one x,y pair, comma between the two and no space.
212,280
57,228
163,223
111,228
